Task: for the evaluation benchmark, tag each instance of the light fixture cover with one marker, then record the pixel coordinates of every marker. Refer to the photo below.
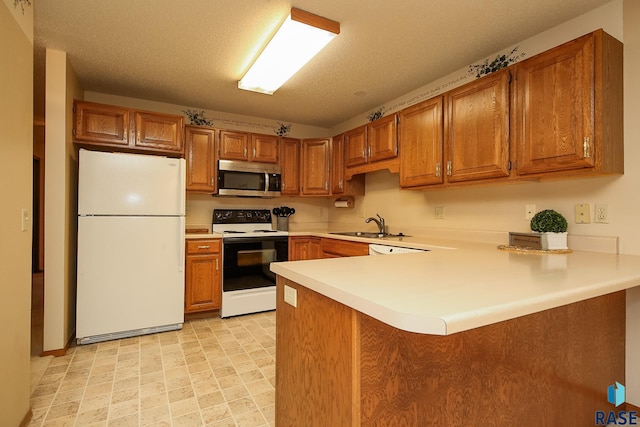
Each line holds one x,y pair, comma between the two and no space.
298,40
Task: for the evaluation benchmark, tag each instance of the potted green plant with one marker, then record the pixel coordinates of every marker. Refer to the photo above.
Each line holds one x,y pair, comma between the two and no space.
553,229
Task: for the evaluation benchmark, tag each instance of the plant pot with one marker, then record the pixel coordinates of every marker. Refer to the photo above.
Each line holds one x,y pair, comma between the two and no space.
554,241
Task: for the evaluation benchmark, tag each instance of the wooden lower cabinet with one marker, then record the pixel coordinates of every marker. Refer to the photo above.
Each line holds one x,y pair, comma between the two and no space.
203,275
304,247
310,247
336,248
336,366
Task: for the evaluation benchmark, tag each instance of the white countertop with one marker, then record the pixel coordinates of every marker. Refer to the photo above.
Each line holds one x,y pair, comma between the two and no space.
457,285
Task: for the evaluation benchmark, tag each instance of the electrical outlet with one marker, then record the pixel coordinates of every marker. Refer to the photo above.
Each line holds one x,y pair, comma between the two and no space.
291,295
439,212
602,214
583,213
529,211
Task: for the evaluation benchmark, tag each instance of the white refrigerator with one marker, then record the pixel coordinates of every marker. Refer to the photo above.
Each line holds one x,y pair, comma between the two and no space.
131,229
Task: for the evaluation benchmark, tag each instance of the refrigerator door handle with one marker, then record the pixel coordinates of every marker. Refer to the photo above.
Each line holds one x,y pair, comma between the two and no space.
181,243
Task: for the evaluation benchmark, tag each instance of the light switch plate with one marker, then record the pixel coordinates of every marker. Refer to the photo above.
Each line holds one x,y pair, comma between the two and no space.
291,295
583,213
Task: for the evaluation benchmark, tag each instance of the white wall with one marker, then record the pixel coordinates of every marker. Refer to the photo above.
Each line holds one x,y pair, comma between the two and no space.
16,160
60,203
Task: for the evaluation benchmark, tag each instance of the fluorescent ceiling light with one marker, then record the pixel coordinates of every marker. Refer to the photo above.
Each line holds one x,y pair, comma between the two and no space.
298,40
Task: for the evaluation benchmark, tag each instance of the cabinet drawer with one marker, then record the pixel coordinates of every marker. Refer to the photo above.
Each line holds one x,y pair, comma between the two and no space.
203,246
332,248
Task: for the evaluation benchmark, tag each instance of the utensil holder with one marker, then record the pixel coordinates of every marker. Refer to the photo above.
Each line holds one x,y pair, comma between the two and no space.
282,223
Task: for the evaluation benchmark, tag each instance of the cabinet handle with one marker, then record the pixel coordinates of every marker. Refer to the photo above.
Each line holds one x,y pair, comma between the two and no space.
364,156
448,167
438,171
204,247
245,152
326,185
254,151
586,147
138,136
369,148
340,184
125,136
217,265
284,185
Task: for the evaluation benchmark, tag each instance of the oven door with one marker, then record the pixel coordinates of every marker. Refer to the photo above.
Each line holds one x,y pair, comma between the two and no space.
246,261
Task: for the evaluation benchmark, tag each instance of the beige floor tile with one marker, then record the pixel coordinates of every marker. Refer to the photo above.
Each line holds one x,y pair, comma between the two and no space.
215,372
155,415
216,414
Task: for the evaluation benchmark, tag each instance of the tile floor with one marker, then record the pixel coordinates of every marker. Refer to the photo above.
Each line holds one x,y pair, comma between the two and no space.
213,372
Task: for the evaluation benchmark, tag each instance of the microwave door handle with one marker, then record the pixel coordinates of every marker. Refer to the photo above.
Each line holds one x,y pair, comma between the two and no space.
266,183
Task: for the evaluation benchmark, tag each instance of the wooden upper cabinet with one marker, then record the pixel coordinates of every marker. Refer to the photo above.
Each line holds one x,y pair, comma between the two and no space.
355,146
314,170
337,164
382,139
201,161
290,163
264,148
103,124
246,146
338,183
568,108
233,145
126,129
420,134
158,132
476,126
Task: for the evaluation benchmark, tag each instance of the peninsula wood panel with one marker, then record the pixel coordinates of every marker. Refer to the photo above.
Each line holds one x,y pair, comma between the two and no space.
317,370
546,369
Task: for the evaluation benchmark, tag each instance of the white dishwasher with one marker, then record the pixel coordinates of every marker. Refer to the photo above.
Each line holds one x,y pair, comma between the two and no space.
375,249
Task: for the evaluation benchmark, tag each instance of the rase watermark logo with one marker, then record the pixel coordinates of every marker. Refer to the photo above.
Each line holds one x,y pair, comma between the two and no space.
616,396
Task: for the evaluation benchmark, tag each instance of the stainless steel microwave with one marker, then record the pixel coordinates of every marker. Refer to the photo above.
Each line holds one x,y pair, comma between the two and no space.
249,179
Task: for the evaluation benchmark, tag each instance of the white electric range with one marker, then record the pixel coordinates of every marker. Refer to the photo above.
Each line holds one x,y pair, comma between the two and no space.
250,244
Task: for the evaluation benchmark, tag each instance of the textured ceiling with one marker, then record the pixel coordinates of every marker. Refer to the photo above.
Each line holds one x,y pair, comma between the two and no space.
192,53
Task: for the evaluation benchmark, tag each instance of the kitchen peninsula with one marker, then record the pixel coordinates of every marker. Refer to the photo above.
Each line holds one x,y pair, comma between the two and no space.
464,334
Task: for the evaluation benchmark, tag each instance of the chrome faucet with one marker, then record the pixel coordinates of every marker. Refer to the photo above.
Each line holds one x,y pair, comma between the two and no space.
379,222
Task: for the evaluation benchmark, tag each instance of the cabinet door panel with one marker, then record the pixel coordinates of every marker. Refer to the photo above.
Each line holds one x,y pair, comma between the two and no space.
420,140
382,139
203,291
104,124
290,163
234,145
337,164
477,129
264,148
158,132
301,248
200,156
355,143
315,167
555,117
